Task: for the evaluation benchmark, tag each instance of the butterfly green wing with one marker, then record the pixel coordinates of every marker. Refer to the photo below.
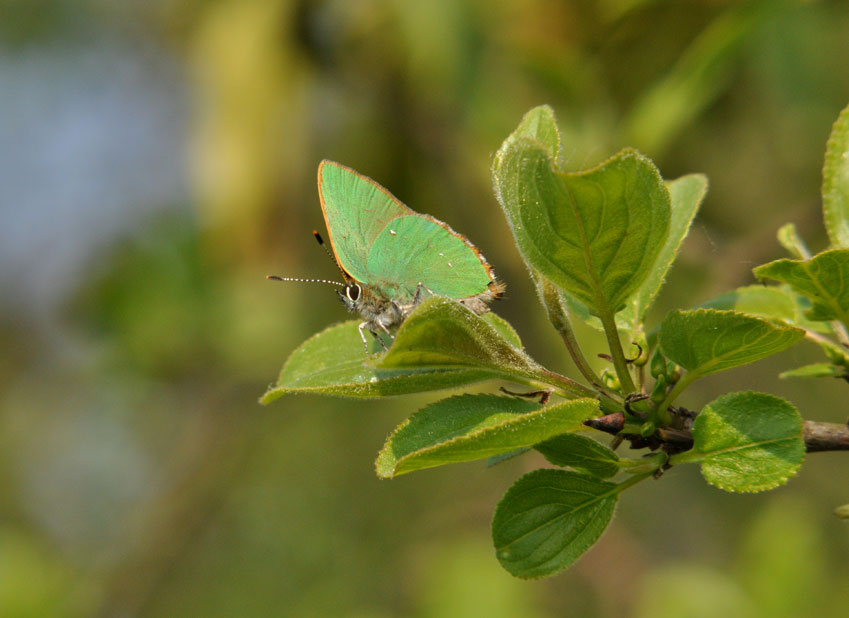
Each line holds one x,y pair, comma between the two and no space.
417,249
356,210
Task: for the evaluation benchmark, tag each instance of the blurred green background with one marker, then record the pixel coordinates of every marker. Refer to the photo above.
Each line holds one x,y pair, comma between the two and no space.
157,160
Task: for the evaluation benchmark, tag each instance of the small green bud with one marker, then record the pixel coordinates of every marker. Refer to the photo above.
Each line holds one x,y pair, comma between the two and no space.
658,391
610,380
673,372
835,356
647,429
641,346
657,364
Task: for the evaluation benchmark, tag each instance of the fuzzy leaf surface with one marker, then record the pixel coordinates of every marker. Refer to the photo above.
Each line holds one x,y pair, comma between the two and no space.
835,182
686,194
771,302
539,125
705,341
788,237
333,362
748,442
470,427
548,518
595,234
815,370
443,334
824,279
768,302
582,453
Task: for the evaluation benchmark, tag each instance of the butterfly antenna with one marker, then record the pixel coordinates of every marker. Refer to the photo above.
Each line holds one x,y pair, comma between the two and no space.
276,278
329,252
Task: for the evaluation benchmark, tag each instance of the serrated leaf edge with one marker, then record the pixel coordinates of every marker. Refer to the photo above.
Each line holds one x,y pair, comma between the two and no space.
467,436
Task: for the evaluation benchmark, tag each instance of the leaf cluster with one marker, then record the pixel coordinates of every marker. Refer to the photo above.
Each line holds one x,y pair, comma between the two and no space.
598,245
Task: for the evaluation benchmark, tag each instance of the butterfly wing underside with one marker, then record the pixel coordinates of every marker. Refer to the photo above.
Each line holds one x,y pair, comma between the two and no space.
356,210
417,249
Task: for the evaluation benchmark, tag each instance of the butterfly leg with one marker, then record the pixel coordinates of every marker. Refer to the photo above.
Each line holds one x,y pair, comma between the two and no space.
418,297
379,340
362,327
385,330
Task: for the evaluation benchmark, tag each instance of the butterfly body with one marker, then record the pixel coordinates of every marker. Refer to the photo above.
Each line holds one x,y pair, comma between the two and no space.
391,257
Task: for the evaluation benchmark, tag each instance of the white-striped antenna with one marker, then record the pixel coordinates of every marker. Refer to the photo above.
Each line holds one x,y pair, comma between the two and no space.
299,280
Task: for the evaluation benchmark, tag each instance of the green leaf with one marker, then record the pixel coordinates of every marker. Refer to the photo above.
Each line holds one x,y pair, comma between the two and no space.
768,302
539,125
686,195
747,442
789,238
824,279
705,341
503,328
595,234
548,518
835,182
816,370
842,511
582,453
774,302
443,334
470,427
333,362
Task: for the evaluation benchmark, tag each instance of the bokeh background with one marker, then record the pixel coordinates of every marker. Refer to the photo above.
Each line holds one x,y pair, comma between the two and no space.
157,160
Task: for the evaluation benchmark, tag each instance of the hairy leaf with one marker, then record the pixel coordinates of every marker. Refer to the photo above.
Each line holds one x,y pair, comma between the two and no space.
835,182
824,279
768,302
442,333
582,453
789,238
333,362
705,341
595,234
470,427
774,302
539,125
686,194
816,370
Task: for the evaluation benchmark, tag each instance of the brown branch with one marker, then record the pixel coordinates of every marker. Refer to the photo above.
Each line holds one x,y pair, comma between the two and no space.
826,436
818,436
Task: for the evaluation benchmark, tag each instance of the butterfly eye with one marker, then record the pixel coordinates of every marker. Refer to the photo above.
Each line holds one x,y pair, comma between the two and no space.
352,292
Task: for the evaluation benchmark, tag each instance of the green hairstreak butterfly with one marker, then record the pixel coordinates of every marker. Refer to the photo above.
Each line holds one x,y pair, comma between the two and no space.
392,257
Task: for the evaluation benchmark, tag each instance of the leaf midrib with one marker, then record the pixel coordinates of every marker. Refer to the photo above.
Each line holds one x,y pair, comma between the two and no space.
597,498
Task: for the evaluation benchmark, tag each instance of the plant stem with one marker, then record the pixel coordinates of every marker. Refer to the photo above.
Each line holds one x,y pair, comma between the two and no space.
560,320
649,463
825,436
634,480
563,383
818,436
608,321
662,411
840,331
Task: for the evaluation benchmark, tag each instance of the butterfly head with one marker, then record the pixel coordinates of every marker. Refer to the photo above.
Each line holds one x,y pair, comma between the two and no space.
351,295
